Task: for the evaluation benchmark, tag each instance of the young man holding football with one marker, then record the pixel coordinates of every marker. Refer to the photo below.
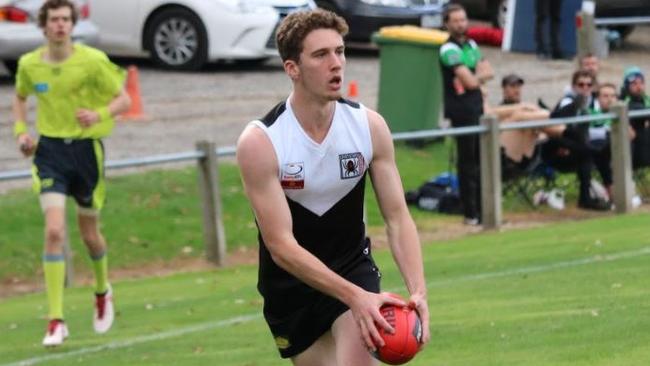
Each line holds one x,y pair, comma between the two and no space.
304,167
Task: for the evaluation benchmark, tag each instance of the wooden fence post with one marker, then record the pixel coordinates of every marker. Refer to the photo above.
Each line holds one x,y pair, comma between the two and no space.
490,173
621,159
213,231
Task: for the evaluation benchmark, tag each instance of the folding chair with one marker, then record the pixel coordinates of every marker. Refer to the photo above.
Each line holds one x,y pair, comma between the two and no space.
524,183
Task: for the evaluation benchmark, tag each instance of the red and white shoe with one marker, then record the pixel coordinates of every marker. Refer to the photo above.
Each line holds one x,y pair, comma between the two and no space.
104,312
56,333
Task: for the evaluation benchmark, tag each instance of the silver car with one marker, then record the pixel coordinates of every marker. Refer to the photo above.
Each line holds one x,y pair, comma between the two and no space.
19,31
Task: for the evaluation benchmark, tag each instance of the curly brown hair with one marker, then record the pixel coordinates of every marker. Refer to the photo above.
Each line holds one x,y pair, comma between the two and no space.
55,4
296,26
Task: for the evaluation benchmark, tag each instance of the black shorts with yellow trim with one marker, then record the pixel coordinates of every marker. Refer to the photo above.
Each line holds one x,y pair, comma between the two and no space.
74,167
299,316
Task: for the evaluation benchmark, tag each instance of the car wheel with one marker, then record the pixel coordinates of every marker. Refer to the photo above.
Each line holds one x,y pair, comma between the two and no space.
177,39
499,12
11,66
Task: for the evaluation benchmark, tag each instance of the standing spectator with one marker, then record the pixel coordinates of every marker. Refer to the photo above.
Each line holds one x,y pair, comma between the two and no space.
464,70
548,10
78,91
634,94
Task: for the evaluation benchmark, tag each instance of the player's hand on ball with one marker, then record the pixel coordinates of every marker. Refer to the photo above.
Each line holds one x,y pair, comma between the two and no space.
365,309
419,303
405,342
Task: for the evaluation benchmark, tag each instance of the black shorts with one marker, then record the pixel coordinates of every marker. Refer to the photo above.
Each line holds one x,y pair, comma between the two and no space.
298,317
511,169
71,167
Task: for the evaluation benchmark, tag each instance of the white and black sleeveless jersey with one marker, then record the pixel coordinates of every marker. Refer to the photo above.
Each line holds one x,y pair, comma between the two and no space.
324,185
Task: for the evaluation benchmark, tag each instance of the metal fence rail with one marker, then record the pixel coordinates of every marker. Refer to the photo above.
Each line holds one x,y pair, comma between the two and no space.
622,21
207,155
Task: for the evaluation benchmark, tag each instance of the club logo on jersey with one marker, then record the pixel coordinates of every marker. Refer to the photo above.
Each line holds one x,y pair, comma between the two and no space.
352,165
293,176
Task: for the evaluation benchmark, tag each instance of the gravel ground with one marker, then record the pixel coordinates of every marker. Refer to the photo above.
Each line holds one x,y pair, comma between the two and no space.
216,103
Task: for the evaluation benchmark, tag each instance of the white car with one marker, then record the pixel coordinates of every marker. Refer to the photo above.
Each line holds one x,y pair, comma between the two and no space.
185,34
19,31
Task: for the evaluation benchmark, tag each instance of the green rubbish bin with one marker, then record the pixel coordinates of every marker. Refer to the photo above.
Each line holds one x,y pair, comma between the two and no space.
410,80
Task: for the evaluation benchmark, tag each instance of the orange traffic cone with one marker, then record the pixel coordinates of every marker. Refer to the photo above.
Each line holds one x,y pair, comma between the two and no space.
353,89
135,113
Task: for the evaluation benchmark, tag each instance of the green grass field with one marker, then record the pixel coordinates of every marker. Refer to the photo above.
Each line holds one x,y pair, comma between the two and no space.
156,216
574,293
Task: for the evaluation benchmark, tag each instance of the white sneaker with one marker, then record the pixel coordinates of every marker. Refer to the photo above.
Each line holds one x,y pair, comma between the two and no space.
104,312
56,333
540,197
555,199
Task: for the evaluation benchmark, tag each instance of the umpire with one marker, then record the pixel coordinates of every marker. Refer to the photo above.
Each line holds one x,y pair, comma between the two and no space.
463,71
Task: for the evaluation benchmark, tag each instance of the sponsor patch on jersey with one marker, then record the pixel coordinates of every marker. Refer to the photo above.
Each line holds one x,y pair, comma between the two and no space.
41,87
352,165
293,176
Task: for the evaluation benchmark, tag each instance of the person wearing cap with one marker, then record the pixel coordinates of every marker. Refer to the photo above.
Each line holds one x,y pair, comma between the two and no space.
634,95
463,72
511,87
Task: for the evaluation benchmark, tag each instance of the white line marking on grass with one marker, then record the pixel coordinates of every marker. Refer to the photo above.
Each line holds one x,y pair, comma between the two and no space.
250,317
138,340
543,268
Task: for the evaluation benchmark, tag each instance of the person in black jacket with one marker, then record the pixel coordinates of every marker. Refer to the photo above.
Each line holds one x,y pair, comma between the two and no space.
570,151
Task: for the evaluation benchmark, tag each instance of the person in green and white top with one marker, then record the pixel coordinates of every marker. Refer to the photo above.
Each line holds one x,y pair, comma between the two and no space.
634,95
78,92
463,71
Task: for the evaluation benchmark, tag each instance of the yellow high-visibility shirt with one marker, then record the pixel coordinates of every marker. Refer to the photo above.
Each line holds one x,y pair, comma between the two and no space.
86,80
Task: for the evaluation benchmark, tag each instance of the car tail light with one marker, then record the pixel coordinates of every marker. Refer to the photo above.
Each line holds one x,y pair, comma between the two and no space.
12,14
84,11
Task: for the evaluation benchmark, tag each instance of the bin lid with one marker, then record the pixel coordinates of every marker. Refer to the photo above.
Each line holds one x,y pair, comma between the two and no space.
411,33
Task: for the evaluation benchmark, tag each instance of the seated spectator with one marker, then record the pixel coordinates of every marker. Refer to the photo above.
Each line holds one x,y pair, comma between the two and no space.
599,140
570,151
511,86
588,62
634,94
519,148
599,135
580,98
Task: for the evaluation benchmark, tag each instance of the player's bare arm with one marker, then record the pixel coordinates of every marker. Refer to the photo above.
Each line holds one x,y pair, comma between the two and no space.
119,104
258,164
400,228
